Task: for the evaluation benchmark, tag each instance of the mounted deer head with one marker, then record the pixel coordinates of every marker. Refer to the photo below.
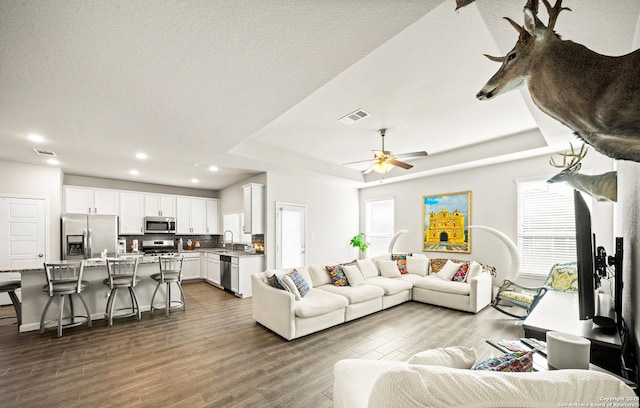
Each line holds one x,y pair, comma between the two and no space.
596,96
603,187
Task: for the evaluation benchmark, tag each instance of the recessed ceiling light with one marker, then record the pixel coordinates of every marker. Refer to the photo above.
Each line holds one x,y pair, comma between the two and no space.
134,172
35,138
53,162
195,180
196,164
141,156
213,168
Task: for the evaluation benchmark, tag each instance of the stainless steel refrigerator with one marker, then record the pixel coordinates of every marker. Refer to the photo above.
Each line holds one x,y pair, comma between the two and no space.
86,236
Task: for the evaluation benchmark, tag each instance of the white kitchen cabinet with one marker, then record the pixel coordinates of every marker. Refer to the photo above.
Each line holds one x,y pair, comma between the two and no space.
159,205
84,200
190,215
213,224
191,266
241,272
253,208
131,213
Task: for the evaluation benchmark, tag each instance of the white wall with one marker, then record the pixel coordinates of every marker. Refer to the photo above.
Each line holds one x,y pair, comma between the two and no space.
332,216
232,197
494,204
28,180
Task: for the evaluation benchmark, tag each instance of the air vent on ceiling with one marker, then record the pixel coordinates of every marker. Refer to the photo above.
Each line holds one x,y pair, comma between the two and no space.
45,152
354,117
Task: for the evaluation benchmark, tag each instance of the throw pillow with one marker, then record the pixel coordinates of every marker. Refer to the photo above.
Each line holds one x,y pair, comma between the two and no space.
437,264
448,270
300,282
461,275
454,357
275,281
353,274
368,268
292,286
418,264
401,260
306,274
389,269
518,361
338,278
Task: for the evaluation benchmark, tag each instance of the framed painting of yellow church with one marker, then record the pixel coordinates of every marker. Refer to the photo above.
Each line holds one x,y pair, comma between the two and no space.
445,222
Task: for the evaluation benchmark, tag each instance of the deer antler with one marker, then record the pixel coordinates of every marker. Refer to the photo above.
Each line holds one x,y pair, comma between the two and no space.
576,157
554,11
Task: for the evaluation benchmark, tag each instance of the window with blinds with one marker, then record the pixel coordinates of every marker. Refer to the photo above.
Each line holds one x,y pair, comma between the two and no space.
234,222
379,225
546,225
290,235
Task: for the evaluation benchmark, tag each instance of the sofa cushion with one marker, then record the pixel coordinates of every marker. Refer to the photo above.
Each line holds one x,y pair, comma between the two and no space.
447,272
461,274
354,276
391,286
389,269
418,264
319,275
454,357
475,269
275,281
355,294
318,302
292,286
411,277
300,282
368,268
434,283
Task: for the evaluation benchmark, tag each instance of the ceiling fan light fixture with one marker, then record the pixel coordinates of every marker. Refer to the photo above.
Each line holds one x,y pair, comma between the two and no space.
382,167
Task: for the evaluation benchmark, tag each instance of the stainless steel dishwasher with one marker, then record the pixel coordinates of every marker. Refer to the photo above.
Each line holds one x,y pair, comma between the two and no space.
225,271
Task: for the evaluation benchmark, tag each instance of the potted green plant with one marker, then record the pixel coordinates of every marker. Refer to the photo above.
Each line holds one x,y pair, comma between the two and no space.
360,242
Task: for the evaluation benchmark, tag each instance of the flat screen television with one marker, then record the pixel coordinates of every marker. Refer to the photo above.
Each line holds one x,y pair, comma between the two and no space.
584,250
604,306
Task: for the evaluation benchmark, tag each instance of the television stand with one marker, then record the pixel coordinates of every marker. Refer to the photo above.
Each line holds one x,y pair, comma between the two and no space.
558,311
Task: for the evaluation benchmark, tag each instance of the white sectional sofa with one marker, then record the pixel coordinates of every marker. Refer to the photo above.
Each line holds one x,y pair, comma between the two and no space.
327,305
383,384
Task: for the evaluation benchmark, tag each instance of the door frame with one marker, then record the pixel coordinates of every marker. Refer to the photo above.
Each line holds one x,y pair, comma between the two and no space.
280,204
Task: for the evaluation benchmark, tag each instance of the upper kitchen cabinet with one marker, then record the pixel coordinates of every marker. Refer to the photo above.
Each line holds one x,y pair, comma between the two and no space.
159,205
213,224
82,200
131,213
191,215
253,208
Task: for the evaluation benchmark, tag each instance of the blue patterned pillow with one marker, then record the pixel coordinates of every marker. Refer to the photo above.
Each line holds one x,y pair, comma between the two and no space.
338,278
300,282
277,283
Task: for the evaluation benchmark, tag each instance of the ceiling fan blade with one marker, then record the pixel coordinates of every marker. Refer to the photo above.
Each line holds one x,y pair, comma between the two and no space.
413,155
404,165
369,169
356,162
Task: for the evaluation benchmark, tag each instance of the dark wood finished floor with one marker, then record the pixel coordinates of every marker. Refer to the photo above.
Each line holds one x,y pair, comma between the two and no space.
215,355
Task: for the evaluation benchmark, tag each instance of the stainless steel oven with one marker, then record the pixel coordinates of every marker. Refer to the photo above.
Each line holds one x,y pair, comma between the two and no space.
159,225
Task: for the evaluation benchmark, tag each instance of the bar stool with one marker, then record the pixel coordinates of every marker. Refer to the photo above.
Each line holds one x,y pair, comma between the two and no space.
122,274
64,279
10,288
170,272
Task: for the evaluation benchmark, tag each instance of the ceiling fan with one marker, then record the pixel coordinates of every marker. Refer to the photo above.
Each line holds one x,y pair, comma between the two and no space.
384,160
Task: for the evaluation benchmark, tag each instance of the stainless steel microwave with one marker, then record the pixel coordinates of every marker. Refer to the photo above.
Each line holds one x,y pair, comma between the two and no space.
159,225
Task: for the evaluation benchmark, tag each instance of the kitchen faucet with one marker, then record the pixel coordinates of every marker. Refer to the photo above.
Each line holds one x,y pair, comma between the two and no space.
224,238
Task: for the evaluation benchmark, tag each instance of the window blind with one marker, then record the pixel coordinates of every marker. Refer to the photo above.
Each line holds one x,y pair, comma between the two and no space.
291,236
546,225
379,225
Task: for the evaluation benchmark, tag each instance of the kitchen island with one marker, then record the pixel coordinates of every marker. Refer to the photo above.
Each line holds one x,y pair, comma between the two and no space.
96,294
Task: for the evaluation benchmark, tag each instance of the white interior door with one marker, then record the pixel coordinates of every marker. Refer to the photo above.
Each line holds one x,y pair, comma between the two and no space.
290,235
22,235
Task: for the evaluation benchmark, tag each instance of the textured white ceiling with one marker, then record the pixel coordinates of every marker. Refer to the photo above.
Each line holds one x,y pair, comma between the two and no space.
259,85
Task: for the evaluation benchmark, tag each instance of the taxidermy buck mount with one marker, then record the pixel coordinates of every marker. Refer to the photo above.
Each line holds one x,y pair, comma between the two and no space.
603,187
596,96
